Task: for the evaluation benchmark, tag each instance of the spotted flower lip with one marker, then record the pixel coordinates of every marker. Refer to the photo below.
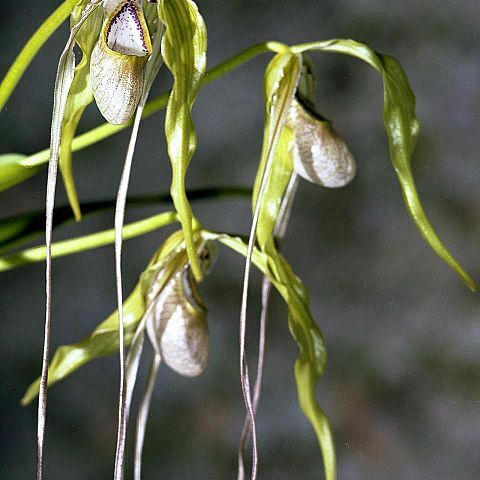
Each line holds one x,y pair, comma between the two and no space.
118,60
319,154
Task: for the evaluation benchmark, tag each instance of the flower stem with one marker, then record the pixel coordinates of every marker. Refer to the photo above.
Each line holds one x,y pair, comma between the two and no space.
27,226
86,242
106,130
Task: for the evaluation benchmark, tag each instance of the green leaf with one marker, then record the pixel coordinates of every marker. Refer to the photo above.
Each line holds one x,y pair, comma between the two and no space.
13,170
79,97
103,341
401,127
31,48
184,51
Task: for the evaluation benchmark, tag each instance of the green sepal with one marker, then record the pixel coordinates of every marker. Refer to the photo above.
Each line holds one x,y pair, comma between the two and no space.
281,170
280,84
280,175
402,129
276,166
79,97
184,49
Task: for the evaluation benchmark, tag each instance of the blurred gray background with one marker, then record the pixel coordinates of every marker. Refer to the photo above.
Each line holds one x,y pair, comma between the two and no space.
402,386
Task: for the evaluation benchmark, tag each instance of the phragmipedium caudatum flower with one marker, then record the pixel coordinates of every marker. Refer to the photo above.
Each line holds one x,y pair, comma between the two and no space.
165,303
123,44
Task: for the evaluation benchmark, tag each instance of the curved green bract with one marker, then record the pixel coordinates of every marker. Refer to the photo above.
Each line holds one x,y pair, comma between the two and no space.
282,170
401,127
281,80
184,49
273,174
280,175
31,48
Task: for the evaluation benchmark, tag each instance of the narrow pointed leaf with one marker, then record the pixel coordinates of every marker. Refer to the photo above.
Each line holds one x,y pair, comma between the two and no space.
402,127
184,52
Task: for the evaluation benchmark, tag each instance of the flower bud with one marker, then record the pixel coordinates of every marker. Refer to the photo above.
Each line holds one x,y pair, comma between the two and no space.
177,324
319,154
118,60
